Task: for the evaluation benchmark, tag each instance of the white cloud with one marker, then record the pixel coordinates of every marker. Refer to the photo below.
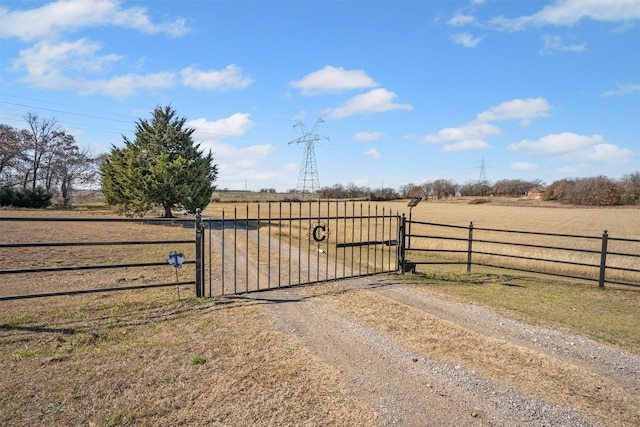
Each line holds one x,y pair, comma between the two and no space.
473,130
375,101
555,44
562,143
569,146
518,109
468,144
623,90
570,12
471,135
232,156
333,80
229,78
523,166
466,40
605,153
235,125
459,19
368,136
67,16
44,62
71,66
238,166
373,154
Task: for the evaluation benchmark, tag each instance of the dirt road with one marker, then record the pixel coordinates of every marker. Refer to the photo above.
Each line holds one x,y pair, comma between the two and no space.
421,361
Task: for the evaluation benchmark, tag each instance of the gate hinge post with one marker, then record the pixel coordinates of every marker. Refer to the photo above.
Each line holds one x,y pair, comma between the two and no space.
199,224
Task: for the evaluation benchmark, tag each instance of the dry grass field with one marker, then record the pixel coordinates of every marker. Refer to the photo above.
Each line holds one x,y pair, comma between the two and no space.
146,357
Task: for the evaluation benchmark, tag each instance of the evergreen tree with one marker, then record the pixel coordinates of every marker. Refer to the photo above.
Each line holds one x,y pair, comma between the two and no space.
161,167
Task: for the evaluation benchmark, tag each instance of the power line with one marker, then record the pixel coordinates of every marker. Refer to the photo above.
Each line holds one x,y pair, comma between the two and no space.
129,120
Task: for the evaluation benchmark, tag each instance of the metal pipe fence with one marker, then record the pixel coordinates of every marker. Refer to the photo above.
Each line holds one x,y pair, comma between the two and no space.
44,256
567,255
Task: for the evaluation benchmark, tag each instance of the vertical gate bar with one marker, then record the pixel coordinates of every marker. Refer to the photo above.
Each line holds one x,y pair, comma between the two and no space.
344,233
257,249
402,243
603,260
246,250
368,234
470,247
308,245
318,251
353,234
335,267
235,249
382,238
389,238
199,253
326,245
382,251
384,235
222,251
290,232
299,242
360,247
375,237
279,242
269,247
210,258
398,240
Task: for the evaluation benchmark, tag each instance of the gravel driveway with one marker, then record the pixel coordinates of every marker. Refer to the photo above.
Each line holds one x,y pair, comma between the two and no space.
565,380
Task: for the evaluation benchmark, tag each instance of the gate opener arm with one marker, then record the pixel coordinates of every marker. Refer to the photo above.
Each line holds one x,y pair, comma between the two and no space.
372,242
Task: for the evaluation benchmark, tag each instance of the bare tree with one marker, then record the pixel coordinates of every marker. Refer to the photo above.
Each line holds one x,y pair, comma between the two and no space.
11,153
37,139
72,165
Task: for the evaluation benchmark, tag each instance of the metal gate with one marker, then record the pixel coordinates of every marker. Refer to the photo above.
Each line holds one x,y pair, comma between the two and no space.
276,245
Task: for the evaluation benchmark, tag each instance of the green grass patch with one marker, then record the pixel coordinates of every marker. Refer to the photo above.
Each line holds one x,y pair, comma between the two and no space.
198,360
20,320
24,354
609,315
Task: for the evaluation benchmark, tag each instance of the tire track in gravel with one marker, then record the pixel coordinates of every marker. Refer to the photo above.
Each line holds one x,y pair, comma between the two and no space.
623,367
407,389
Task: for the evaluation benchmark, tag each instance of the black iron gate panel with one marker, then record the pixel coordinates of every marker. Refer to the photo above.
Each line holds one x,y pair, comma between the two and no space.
275,245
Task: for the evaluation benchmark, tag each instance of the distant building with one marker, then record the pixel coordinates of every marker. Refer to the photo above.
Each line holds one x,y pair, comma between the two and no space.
536,193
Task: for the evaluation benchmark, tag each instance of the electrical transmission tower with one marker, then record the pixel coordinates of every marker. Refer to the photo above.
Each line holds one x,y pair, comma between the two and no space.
484,184
308,180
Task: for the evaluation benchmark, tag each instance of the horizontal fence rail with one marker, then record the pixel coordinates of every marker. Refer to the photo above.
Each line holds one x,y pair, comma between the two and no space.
46,255
572,256
275,245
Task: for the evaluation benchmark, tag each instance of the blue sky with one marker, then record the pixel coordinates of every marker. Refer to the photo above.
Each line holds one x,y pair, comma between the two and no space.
410,91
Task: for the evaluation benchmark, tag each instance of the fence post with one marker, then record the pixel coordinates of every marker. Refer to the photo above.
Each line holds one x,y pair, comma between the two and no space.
469,247
199,254
603,259
401,242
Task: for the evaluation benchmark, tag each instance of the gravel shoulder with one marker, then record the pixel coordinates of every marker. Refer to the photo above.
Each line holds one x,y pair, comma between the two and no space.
419,360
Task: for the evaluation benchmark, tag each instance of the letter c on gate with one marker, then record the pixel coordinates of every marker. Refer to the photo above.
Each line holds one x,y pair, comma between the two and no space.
319,237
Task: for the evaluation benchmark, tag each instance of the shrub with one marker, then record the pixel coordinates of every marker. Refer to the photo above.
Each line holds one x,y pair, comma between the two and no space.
25,198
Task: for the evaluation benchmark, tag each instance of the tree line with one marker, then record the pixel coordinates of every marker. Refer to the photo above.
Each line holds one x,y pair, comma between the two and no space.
593,191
